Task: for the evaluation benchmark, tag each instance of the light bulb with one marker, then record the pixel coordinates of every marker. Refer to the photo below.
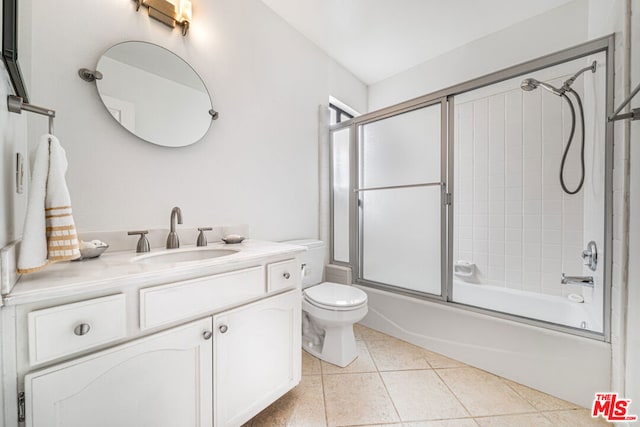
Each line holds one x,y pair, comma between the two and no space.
185,10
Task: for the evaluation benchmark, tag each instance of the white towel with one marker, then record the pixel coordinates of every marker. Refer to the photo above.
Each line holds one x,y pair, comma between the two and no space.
49,233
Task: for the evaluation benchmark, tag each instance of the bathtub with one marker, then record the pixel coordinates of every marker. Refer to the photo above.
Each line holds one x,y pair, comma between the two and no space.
569,366
549,308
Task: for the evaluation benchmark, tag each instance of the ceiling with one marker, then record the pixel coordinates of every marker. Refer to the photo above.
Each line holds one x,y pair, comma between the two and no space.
376,39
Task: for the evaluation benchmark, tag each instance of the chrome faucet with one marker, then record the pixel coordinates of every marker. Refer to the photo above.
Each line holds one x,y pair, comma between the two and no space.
577,280
173,241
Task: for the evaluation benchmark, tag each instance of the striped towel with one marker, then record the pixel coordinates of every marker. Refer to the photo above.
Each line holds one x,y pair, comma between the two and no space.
49,230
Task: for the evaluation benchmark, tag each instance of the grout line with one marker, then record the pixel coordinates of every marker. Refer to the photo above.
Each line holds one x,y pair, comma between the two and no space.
505,267
508,384
390,398
324,394
452,393
382,379
351,373
511,414
522,255
541,199
366,344
427,362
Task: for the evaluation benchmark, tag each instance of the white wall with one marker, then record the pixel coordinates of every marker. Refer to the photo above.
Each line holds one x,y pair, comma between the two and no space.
557,29
12,205
259,162
633,333
12,141
606,18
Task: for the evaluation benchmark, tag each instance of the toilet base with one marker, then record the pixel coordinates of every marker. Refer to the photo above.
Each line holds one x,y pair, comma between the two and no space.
338,346
329,335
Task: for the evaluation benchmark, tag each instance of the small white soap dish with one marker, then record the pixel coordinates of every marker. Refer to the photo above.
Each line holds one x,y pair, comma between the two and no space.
233,238
92,249
575,298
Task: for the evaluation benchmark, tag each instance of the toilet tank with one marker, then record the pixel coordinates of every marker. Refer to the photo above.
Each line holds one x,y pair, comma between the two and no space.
313,259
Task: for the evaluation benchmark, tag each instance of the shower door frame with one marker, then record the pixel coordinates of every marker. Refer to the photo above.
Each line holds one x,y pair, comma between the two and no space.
356,251
446,98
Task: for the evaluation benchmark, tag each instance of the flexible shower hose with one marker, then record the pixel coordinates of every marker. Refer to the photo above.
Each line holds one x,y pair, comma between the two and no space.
570,140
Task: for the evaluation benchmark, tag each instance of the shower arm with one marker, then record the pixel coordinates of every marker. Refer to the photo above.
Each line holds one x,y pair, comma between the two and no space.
569,82
633,115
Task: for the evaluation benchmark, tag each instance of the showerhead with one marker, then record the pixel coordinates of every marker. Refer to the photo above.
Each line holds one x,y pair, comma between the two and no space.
530,84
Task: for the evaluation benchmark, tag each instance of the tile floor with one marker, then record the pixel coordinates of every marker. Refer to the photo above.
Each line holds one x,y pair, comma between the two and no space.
394,383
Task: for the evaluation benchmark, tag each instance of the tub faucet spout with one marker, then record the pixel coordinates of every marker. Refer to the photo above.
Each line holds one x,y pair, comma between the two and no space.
172,239
577,280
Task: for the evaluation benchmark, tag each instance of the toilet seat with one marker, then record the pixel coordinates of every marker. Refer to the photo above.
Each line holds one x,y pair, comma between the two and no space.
334,296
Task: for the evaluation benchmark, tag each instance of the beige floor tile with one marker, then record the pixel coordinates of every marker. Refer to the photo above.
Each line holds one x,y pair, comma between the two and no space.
302,407
363,363
367,334
357,399
465,422
541,401
379,425
437,360
575,418
421,395
310,364
394,355
483,393
521,420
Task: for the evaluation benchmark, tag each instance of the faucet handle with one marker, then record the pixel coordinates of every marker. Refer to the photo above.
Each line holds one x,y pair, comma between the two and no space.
143,243
202,239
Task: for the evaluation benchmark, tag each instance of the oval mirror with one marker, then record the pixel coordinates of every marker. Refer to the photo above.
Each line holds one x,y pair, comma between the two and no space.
154,94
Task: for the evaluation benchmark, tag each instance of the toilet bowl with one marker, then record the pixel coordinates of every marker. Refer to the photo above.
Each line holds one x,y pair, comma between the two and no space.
329,310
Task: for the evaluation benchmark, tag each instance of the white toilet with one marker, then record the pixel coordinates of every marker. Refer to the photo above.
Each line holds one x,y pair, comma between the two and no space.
329,310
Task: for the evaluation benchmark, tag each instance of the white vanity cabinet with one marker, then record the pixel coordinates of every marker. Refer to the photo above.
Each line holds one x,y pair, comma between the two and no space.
204,348
163,380
256,357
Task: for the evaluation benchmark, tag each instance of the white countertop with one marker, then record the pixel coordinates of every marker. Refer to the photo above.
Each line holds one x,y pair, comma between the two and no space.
114,269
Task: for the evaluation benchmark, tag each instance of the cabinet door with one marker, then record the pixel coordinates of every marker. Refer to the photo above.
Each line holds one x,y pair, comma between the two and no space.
256,357
163,380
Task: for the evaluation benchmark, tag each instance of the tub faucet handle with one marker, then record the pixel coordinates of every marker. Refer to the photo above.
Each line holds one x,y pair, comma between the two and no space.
590,256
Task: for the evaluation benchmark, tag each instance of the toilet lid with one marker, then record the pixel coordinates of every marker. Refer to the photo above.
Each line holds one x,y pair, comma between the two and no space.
335,296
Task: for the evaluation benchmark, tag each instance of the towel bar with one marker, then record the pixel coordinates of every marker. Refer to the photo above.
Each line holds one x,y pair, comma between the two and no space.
15,104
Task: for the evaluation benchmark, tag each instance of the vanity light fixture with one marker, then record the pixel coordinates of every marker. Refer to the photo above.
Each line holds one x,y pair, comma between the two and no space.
167,12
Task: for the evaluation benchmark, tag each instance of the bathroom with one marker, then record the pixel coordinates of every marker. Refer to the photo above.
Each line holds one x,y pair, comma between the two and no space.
264,165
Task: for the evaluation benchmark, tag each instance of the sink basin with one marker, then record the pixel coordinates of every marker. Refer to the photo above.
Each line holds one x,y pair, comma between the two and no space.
183,256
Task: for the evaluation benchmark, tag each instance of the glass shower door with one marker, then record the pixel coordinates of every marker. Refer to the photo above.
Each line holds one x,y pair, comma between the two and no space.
400,200
340,198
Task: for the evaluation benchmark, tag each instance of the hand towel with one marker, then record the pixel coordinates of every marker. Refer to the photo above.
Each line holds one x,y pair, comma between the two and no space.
49,233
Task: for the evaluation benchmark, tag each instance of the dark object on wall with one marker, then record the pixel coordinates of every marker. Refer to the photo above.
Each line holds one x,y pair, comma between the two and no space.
10,47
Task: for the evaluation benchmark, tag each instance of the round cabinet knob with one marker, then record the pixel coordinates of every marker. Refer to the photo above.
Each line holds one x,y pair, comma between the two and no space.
82,329
223,329
207,335
286,276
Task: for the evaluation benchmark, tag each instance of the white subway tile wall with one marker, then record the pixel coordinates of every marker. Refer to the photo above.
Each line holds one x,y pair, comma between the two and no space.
511,217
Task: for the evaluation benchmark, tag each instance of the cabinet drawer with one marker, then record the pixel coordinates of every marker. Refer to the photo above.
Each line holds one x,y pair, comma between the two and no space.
282,275
169,303
65,329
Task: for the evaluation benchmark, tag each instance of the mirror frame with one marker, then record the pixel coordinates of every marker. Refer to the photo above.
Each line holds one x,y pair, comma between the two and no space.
10,47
